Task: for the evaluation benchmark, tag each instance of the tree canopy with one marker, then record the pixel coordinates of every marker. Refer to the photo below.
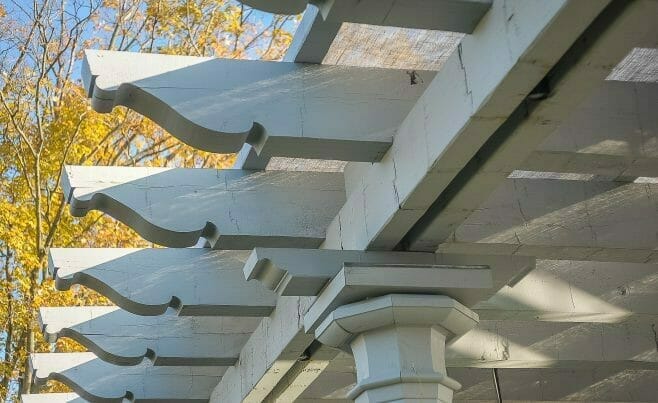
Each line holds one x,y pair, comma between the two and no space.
46,122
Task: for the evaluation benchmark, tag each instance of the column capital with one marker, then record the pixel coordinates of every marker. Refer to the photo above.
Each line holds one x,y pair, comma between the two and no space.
398,342
445,314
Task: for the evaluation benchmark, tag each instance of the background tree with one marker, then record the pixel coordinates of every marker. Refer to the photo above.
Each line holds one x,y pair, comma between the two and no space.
46,122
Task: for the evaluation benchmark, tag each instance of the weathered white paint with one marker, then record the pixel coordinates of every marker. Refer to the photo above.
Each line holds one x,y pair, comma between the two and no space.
119,337
98,381
520,344
302,375
274,347
305,272
620,28
281,109
232,209
195,282
398,343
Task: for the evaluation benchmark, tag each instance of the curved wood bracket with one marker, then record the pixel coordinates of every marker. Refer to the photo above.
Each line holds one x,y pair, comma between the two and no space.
195,282
122,338
231,209
98,381
281,109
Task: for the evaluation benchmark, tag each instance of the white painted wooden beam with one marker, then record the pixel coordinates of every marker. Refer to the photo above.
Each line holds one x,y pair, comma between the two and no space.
305,272
122,338
52,398
302,375
281,109
98,381
232,209
620,28
554,218
195,282
273,349
517,344
477,89
360,281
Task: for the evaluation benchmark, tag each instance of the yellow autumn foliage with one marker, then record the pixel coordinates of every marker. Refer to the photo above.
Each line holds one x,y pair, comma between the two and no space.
46,122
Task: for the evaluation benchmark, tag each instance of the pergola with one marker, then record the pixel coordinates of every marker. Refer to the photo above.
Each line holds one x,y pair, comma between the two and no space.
433,201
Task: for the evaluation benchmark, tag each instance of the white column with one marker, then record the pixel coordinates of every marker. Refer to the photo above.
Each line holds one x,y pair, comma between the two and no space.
398,342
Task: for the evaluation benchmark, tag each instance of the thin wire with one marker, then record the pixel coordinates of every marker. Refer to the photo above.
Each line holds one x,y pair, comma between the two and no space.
496,382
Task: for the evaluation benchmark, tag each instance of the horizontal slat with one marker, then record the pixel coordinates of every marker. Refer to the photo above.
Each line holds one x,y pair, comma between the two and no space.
562,215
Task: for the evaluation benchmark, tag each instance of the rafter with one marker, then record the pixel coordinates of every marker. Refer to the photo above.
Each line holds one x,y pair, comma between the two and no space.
281,109
195,282
232,209
122,338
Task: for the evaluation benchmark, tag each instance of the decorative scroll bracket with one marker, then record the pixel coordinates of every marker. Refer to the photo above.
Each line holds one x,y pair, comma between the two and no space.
231,208
122,338
195,282
281,109
98,381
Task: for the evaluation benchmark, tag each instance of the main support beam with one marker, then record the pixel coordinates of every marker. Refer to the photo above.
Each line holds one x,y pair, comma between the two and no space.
195,282
620,28
281,109
232,209
477,89
98,381
122,338
305,272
